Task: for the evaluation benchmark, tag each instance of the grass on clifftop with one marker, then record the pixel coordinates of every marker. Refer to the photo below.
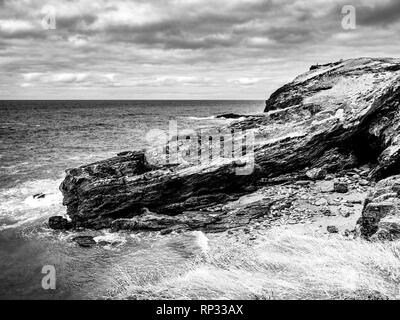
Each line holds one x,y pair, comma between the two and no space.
279,265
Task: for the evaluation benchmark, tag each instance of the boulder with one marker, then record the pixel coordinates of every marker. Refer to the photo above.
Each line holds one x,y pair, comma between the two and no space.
340,187
388,229
84,241
380,218
316,174
59,223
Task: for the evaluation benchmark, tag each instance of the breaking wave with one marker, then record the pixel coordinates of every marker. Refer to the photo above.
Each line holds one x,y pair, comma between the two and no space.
18,205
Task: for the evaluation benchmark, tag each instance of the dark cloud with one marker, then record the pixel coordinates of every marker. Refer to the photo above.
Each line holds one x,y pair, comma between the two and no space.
255,45
76,23
379,14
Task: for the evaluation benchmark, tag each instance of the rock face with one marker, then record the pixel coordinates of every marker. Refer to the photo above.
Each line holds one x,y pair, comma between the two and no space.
59,223
231,116
381,214
337,116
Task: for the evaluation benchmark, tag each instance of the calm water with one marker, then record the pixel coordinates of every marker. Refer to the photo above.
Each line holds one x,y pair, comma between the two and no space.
38,141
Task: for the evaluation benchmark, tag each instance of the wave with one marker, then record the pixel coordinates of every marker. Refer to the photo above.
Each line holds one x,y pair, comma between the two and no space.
202,241
113,240
18,206
202,118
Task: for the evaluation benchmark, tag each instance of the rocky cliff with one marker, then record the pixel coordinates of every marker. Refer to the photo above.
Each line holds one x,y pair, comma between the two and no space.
335,117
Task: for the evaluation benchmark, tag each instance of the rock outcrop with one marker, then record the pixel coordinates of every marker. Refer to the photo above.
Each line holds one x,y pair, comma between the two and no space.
380,219
335,117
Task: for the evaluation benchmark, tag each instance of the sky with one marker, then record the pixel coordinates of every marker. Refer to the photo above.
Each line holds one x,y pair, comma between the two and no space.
180,49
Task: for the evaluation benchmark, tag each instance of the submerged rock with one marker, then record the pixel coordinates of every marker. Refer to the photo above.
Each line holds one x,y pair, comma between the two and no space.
339,116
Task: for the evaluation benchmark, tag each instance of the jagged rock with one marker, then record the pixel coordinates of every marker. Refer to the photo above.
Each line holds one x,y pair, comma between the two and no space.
388,229
194,220
59,223
85,241
380,218
340,116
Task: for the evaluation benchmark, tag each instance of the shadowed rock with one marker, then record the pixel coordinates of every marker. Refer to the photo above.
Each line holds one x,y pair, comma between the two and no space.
59,223
380,219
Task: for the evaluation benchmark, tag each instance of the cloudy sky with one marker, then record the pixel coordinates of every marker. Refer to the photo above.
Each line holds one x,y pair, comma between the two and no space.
180,49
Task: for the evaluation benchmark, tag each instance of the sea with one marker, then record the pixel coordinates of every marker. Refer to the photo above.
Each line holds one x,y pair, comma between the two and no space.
39,140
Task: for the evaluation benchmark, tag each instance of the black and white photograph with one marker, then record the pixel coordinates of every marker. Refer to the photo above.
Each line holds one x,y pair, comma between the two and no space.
168,151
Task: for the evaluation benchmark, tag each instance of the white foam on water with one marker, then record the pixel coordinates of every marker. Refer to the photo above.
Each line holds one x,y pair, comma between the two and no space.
18,204
202,241
203,118
48,201
115,239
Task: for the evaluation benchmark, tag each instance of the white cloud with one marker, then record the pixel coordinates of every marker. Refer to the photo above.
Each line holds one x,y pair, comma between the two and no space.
16,26
78,40
55,77
246,81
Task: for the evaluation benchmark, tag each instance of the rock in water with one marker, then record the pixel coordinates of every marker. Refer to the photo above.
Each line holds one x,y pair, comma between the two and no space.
59,223
338,116
85,241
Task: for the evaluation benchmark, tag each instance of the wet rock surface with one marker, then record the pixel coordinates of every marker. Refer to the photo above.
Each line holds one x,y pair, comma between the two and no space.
59,223
84,241
320,145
